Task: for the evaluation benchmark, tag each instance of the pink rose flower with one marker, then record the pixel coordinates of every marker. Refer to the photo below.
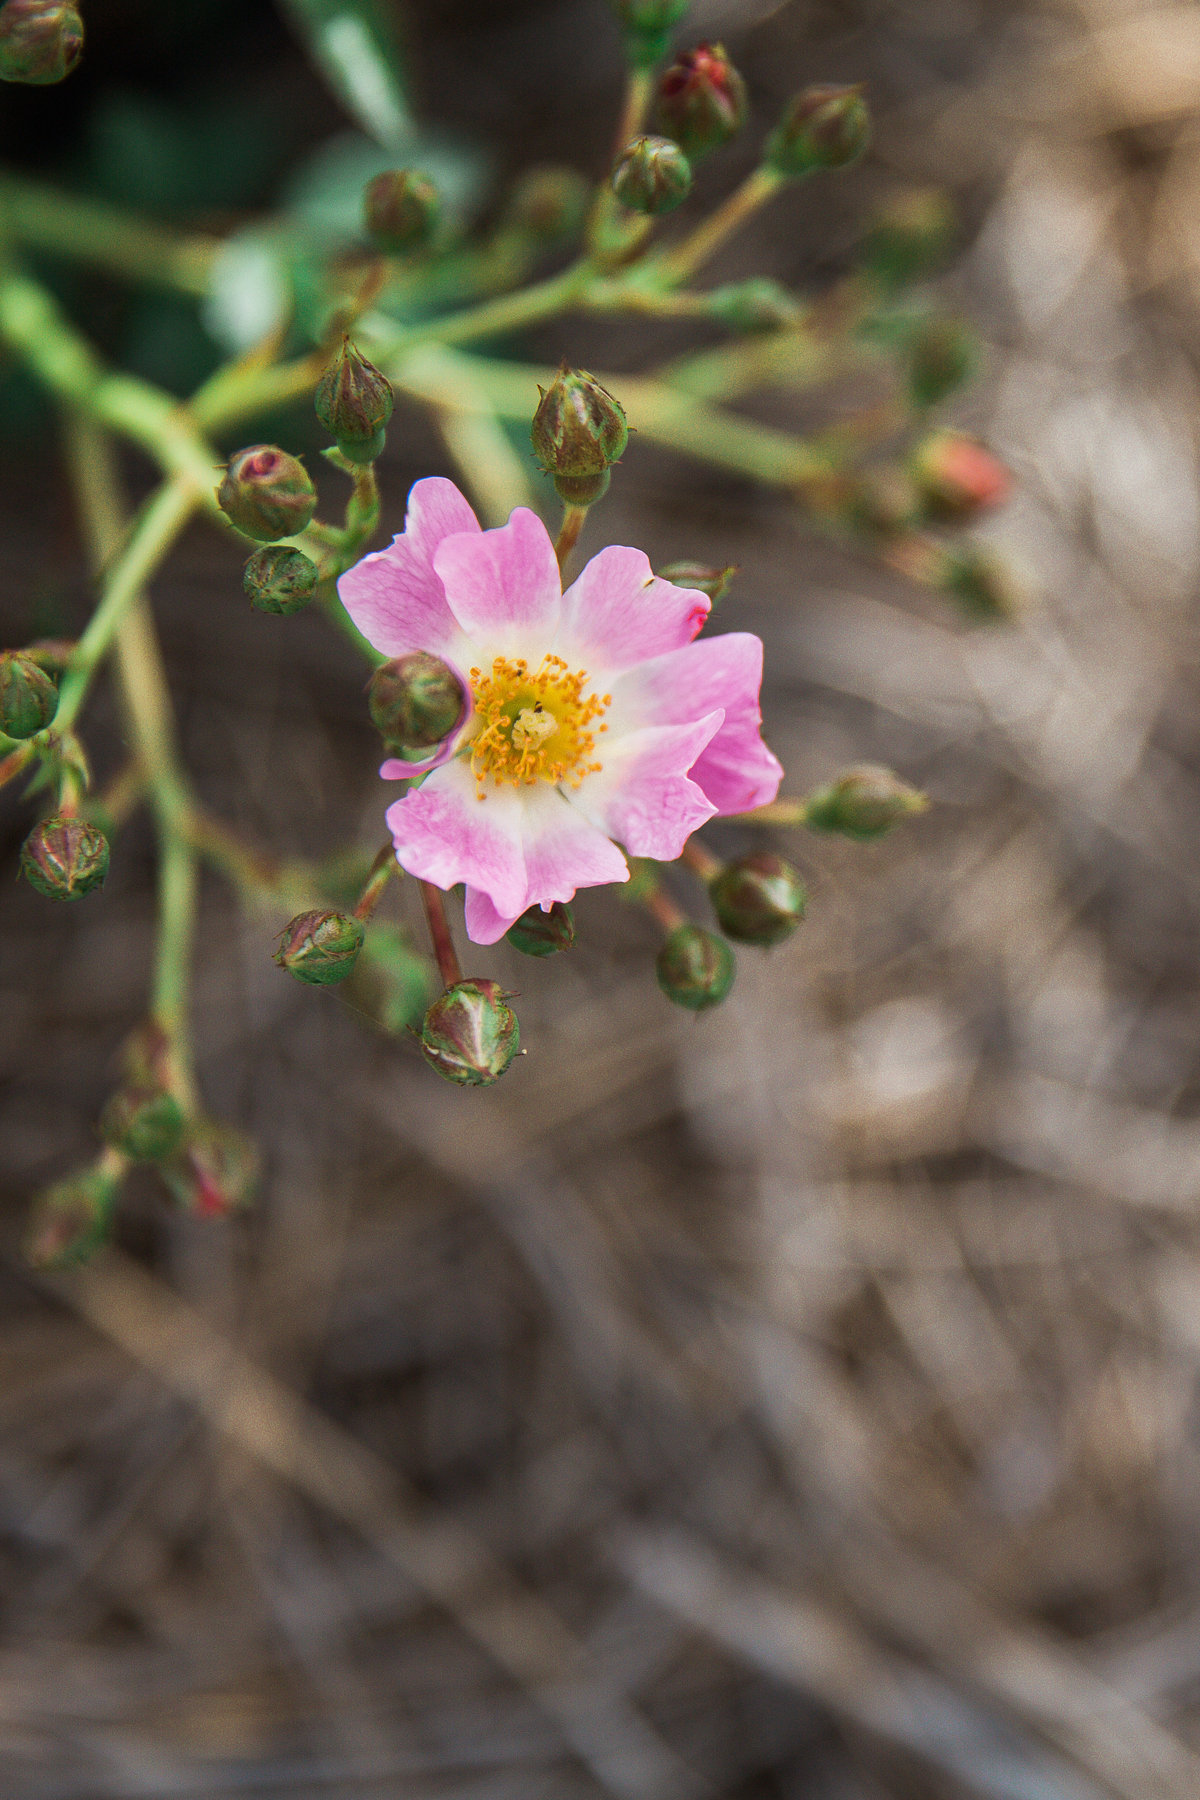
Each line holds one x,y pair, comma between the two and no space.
594,719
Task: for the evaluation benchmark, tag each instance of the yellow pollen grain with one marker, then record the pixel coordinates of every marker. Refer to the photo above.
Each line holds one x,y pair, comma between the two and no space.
534,724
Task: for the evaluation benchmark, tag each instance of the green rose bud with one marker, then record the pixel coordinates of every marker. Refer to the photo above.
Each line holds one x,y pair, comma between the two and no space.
538,933
701,100
694,968
652,175
578,431
863,803
267,494
354,403
822,128
279,580
28,696
65,858
320,947
758,899
144,1123
470,1033
401,209
40,41
415,701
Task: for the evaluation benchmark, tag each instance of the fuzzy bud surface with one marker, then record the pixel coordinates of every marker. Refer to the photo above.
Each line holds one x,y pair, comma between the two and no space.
320,948
822,128
267,494
759,899
415,700
28,696
470,1034
652,175
701,100
354,403
279,580
65,858
695,968
864,803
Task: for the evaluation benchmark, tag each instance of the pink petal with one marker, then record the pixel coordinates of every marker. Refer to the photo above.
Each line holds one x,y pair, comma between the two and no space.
736,770
503,586
619,612
484,924
643,796
393,595
563,850
444,834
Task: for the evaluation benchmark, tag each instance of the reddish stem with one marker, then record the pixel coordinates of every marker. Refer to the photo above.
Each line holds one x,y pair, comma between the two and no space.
439,932
700,861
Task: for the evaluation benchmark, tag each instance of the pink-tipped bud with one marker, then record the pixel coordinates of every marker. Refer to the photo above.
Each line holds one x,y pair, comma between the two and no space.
401,209
70,1221
703,576
354,403
958,476
28,696
40,41
267,494
864,803
695,968
759,899
822,128
701,100
65,858
144,1123
216,1172
320,948
470,1034
652,175
538,933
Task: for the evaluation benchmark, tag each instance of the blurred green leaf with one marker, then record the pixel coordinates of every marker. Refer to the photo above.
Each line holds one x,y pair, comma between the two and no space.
356,47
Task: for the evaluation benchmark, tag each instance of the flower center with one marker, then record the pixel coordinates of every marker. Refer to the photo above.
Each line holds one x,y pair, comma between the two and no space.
534,724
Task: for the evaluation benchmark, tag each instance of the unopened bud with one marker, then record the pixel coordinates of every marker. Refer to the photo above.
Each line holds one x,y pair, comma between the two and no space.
701,100
910,237
279,580
822,128
980,583
401,209
652,175
267,494
538,933
40,41
957,476
755,306
863,803
415,700
549,203
28,696
354,403
65,858
708,580
470,1033
70,1221
144,1123
759,899
648,25
941,356
216,1172
695,968
578,430
320,947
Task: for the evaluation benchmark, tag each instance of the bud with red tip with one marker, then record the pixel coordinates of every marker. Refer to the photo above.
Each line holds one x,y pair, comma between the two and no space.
911,236
71,1220
648,25
470,1034
701,100
652,175
143,1122
40,41
267,494
822,128
864,803
578,432
759,899
65,858
354,403
957,476
216,1172
28,696
941,356
415,701
279,580
538,933
401,209
695,968
320,948
703,576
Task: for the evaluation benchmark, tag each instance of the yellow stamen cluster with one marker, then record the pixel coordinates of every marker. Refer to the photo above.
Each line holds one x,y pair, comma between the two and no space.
534,724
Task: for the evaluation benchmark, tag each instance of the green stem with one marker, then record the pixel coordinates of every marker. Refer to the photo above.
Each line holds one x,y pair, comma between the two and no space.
381,872
90,231
708,237
700,861
776,812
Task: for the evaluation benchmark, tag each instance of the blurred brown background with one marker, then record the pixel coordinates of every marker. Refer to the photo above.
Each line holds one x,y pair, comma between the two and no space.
799,1401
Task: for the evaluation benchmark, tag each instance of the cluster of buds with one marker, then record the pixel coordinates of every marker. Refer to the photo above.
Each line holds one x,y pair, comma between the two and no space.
40,41
579,431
